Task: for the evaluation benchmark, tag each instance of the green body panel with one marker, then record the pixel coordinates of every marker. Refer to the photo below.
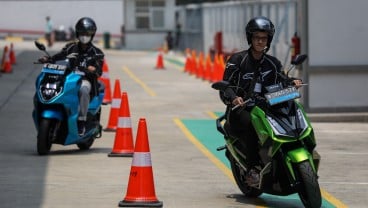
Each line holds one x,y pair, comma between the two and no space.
265,132
298,156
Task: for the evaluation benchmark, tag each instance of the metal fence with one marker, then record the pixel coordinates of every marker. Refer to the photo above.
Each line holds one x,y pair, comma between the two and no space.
200,22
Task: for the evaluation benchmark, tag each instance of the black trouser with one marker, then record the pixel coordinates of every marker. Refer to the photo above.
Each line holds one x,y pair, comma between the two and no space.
240,122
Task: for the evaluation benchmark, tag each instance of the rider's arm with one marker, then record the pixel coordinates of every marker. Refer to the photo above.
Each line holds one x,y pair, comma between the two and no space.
63,53
96,64
230,73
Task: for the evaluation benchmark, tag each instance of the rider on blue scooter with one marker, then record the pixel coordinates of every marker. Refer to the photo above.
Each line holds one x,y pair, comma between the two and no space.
90,58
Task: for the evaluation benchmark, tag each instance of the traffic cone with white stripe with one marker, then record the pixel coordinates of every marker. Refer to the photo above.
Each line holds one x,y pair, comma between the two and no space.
115,106
105,78
6,66
123,144
141,188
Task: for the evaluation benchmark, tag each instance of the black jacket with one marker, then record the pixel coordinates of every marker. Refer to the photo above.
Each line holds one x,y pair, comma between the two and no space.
84,58
240,70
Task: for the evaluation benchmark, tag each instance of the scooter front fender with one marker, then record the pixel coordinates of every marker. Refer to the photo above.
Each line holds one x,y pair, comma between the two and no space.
297,156
52,114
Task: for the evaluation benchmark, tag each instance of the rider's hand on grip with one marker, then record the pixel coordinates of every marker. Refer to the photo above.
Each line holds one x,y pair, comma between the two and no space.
44,59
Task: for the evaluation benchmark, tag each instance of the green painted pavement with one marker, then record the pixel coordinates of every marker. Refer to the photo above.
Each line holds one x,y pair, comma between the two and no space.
204,130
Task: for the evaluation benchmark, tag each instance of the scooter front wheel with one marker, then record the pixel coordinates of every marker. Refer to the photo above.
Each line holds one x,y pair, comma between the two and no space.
86,145
44,137
309,191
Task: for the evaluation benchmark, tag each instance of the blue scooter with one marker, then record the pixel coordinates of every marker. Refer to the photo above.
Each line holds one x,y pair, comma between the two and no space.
56,106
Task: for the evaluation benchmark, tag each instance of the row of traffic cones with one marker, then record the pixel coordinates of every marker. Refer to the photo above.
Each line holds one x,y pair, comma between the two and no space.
203,67
8,59
140,190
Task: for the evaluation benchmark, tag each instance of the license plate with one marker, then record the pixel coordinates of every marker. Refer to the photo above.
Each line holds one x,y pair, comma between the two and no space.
54,69
283,95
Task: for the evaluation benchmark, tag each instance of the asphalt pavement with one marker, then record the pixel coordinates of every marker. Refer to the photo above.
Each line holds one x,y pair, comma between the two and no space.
184,175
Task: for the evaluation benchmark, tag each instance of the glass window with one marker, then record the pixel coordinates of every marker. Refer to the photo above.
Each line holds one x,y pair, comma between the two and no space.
149,14
158,3
158,19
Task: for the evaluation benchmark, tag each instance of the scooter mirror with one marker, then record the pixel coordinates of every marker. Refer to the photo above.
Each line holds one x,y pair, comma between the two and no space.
221,85
40,46
299,59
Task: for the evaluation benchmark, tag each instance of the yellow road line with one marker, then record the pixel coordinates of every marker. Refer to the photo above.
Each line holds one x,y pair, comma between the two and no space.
203,149
212,114
332,199
140,82
210,156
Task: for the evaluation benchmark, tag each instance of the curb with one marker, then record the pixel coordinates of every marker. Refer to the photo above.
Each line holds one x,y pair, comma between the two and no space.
339,117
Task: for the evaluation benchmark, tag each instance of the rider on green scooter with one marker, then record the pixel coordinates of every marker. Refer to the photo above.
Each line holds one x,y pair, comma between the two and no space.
250,71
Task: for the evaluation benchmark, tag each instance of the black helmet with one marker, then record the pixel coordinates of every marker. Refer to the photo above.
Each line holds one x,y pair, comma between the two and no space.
87,26
260,24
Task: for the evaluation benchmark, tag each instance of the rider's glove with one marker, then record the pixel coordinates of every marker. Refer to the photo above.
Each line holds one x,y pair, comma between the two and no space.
260,101
44,59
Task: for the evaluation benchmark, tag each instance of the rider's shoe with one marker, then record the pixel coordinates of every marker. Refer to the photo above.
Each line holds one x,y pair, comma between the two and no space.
81,128
252,177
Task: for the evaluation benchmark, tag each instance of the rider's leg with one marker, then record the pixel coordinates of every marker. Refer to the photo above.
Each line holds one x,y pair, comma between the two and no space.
84,98
241,123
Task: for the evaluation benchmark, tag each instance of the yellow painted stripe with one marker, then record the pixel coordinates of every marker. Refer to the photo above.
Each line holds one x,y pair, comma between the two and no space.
327,196
137,80
212,114
209,155
13,39
332,199
203,149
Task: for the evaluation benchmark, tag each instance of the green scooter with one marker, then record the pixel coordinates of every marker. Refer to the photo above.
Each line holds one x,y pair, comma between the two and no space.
289,162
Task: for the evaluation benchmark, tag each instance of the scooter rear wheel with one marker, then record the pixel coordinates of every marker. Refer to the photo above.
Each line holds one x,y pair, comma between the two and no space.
44,137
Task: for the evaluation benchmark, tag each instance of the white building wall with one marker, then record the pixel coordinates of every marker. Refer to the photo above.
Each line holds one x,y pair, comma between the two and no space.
338,64
30,15
338,32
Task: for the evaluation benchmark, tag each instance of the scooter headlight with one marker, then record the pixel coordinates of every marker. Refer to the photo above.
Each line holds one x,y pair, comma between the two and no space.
49,91
276,127
303,124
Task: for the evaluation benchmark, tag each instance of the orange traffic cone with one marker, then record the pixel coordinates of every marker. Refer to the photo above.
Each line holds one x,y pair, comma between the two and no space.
200,65
12,54
216,76
123,145
115,106
208,68
5,63
188,61
160,61
105,78
141,187
221,66
194,67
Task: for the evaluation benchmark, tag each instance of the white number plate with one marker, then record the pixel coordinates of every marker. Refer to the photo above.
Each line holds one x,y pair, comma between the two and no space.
54,69
283,95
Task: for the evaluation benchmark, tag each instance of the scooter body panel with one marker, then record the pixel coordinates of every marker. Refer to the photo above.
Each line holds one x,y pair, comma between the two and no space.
65,108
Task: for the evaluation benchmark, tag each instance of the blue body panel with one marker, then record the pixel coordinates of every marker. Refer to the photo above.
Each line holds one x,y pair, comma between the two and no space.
65,106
